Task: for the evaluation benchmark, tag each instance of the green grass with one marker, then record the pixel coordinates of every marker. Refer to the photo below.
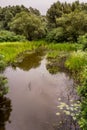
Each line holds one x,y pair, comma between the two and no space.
10,50
76,61
64,47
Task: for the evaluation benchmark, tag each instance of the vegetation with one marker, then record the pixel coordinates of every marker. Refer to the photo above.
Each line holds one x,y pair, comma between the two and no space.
78,64
3,80
10,50
76,61
7,36
64,23
29,25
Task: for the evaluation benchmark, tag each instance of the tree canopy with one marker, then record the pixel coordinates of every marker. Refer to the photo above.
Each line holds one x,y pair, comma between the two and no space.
63,21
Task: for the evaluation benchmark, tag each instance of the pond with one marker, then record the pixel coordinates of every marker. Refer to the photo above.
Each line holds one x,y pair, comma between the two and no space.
34,96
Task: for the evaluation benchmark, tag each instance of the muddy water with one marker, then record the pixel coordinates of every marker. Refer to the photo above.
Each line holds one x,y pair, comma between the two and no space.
33,96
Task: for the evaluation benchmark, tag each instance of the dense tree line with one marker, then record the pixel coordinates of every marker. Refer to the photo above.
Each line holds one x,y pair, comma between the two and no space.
22,21
66,22
63,22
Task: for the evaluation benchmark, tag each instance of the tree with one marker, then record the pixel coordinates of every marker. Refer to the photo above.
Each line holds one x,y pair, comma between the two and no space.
74,24
34,11
58,9
28,24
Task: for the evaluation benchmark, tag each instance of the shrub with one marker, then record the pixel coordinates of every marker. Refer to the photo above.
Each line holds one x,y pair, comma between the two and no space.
83,40
6,36
2,63
76,61
56,35
82,90
3,86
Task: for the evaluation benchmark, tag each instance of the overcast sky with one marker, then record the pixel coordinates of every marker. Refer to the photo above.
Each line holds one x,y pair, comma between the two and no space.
41,5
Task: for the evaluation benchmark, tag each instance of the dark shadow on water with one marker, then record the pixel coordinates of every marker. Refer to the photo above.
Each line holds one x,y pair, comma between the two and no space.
31,60
5,110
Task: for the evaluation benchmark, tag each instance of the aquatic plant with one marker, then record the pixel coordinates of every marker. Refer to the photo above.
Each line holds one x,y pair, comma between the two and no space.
68,114
71,109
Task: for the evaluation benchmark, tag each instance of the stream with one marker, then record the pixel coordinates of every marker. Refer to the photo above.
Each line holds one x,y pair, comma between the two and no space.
34,96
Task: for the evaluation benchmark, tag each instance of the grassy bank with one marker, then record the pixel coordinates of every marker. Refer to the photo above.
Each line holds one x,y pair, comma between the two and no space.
10,50
77,64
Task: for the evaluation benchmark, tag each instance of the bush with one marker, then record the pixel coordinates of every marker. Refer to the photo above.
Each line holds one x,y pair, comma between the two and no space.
82,90
3,86
2,63
3,80
56,35
83,40
76,61
7,36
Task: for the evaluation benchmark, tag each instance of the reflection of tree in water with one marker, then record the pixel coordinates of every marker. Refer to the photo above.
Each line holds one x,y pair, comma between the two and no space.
5,109
29,61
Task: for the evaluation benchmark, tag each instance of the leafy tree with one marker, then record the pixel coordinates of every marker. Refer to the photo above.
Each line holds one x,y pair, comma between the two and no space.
34,11
56,35
74,24
7,13
29,25
58,9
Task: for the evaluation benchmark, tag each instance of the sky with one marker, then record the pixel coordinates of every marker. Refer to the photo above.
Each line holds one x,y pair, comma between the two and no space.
41,5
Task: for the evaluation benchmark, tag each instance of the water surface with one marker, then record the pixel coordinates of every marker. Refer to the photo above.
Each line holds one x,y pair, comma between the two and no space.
34,94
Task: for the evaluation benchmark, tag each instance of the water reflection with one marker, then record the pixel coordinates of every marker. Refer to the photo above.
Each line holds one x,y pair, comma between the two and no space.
34,94
5,110
31,60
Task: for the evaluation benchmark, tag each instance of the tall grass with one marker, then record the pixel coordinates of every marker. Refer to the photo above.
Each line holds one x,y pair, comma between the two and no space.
76,61
64,47
11,49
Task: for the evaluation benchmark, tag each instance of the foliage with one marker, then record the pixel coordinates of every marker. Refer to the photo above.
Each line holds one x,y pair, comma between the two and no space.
2,63
34,11
29,25
71,109
3,80
11,50
6,36
56,35
76,61
83,40
7,14
72,18
74,24
58,9
63,47
82,90
3,86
